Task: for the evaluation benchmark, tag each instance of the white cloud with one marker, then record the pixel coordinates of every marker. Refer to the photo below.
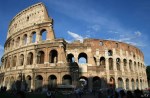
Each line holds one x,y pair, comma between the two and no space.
132,39
138,33
76,36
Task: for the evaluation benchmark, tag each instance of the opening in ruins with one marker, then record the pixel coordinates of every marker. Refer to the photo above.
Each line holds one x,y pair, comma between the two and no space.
40,57
43,34
82,58
30,58
66,80
53,56
70,58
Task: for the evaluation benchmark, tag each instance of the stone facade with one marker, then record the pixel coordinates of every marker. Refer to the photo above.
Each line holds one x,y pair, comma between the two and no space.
33,54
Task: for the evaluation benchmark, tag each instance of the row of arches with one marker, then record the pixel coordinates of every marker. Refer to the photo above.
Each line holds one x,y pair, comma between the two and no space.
96,82
26,38
82,59
128,84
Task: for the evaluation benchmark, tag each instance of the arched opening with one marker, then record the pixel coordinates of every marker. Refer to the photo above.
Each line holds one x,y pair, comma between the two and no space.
52,81
25,39
137,84
14,61
8,62
70,58
127,84
102,61
12,44
82,58
83,82
53,56
96,83
130,65
110,53
28,81
120,83
38,83
7,82
21,59
125,64
66,80
133,84
110,64
40,57
8,45
101,43
112,82
135,66
43,34
118,62
141,83
30,58
12,83
18,42
33,37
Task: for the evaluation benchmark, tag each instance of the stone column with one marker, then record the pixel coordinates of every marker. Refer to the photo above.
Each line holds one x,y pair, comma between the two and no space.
38,36
50,33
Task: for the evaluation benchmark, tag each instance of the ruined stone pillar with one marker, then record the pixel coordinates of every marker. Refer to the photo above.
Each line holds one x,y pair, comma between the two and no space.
50,33
38,36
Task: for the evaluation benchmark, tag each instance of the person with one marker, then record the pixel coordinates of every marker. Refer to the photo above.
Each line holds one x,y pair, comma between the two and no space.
48,94
20,94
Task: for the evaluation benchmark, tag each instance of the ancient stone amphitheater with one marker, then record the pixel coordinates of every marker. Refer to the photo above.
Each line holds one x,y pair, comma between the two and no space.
33,54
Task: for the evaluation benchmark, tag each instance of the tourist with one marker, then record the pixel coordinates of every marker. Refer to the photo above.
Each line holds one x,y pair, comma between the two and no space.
48,94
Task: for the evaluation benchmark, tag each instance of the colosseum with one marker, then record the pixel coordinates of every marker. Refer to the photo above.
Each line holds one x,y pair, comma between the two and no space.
34,56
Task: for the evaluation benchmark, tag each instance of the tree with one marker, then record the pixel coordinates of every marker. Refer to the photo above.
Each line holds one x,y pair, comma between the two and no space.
148,74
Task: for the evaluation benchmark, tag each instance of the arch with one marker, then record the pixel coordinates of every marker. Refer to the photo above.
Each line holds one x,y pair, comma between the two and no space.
18,42
53,56
130,65
25,39
102,61
52,81
133,84
38,83
110,53
95,60
82,58
43,34
21,59
120,83
125,64
33,37
40,57
137,84
96,83
135,66
8,62
6,82
66,80
12,83
118,63
141,83
101,43
112,82
110,63
12,43
30,58
127,84
14,61
70,58
28,81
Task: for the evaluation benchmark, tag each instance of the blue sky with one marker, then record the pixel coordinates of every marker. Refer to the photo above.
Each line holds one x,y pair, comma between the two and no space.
121,20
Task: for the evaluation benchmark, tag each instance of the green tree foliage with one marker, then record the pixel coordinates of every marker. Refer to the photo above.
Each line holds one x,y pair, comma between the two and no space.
148,74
